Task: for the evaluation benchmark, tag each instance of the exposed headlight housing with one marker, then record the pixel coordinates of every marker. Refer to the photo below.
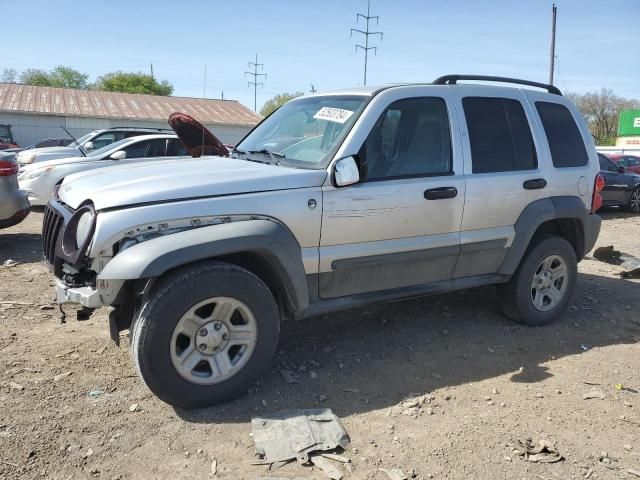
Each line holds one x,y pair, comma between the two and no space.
79,231
84,227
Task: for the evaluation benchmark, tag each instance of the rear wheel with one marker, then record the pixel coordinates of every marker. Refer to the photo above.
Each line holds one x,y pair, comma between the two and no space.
543,284
205,334
634,201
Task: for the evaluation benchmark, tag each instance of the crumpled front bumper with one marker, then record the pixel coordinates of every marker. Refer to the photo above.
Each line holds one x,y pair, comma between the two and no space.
86,296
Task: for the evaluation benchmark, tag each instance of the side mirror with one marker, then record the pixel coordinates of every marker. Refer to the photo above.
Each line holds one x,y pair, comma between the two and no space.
88,146
119,155
346,172
622,169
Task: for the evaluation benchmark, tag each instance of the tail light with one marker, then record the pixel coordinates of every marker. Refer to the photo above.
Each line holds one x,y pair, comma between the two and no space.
596,201
8,168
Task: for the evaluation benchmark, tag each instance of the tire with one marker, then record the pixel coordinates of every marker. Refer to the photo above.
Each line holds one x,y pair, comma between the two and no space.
539,306
634,201
164,354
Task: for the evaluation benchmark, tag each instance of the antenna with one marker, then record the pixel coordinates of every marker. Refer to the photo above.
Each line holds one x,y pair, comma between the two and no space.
553,44
367,18
255,83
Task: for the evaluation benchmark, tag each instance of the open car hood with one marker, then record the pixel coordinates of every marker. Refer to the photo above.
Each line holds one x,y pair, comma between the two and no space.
195,136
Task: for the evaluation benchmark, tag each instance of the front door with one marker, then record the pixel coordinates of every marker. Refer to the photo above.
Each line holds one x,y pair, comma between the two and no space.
399,226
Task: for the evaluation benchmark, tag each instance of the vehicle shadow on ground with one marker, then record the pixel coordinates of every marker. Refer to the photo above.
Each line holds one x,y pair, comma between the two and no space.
611,213
21,247
372,358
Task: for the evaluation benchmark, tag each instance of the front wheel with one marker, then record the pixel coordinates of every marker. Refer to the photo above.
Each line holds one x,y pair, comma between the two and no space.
204,334
543,284
634,201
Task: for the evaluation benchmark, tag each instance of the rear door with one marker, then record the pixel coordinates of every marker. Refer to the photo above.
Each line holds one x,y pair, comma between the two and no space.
502,171
615,183
399,227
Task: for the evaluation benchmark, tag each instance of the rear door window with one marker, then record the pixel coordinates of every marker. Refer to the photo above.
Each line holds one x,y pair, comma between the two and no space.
563,135
499,134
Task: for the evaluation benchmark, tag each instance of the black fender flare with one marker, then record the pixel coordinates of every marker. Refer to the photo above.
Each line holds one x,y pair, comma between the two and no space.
544,210
269,239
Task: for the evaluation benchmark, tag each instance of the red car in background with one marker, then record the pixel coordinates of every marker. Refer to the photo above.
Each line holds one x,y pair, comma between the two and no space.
630,162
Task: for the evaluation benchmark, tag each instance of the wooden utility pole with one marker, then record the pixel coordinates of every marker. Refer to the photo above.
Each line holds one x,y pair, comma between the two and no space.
553,44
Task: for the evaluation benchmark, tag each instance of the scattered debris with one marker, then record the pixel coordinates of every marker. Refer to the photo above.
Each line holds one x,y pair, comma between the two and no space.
327,467
633,472
351,390
101,350
584,347
594,394
95,393
288,376
15,386
394,473
214,466
542,451
295,433
337,458
61,376
10,263
607,462
133,407
607,255
635,273
588,473
46,307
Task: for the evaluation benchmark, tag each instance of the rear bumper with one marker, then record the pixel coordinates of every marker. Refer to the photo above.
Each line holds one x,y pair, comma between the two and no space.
592,230
14,207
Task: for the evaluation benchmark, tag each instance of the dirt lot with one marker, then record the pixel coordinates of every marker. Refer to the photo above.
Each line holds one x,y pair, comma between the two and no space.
483,381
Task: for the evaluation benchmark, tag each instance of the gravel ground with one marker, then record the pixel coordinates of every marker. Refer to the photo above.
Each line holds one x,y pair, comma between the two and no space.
476,384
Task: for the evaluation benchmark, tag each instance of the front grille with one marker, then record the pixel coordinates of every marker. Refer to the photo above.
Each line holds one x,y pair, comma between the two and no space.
51,226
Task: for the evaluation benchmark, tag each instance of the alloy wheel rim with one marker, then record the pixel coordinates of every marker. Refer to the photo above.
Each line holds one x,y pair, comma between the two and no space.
213,340
635,201
549,283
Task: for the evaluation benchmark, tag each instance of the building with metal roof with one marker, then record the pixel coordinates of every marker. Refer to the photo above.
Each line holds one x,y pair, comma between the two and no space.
38,112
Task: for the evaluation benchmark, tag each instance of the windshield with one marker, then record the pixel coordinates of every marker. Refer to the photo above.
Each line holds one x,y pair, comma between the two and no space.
107,148
304,132
80,140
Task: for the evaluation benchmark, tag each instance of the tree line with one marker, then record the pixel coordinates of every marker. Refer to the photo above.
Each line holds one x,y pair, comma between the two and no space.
66,77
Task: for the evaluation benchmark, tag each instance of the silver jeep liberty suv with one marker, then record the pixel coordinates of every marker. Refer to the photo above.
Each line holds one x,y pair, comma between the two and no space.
335,200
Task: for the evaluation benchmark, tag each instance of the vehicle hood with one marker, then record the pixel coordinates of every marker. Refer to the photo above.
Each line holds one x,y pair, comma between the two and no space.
161,181
195,136
48,153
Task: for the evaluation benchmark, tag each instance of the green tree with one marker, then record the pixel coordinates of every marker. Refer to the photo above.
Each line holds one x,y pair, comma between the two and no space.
61,76
601,110
277,102
36,77
9,75
132,83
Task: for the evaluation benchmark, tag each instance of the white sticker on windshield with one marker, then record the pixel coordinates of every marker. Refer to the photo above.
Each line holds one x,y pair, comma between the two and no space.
332,114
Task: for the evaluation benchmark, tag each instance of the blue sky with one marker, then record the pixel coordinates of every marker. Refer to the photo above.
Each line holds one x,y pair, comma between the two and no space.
302,42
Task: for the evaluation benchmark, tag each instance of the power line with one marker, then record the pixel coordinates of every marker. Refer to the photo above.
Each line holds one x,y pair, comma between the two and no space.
367,18
255,83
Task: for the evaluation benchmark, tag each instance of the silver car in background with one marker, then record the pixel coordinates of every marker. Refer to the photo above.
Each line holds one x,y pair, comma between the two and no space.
40,180
14,205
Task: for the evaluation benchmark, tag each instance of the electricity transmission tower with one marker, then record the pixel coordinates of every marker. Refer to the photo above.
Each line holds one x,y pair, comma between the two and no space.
367,18
313,89
255,82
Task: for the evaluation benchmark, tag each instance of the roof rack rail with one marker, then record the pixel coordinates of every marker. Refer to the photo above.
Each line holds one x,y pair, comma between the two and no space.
141,128
453,79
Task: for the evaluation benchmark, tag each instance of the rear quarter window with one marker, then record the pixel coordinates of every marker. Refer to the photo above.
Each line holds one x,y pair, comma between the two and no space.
565,141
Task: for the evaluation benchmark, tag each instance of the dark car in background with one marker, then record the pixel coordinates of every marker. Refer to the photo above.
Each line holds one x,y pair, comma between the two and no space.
14,204
621,188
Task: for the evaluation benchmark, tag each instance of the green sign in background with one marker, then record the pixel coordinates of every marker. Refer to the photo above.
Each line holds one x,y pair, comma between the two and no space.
629,123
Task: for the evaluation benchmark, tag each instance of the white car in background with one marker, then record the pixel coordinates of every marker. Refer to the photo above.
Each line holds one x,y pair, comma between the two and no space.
86,144
40,180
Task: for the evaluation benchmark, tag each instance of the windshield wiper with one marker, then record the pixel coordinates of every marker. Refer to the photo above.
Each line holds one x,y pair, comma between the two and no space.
274,155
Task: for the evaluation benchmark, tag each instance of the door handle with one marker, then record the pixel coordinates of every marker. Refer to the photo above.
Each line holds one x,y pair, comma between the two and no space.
535,184
440,193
